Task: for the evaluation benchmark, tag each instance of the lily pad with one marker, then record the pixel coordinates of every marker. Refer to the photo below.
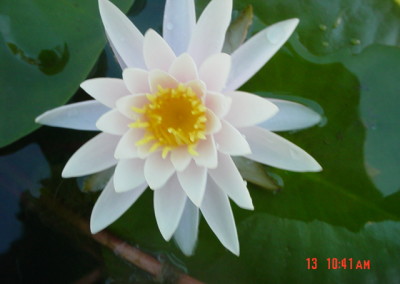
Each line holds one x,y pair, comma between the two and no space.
279,250
377,69
349,210
338,213
339,25
46,49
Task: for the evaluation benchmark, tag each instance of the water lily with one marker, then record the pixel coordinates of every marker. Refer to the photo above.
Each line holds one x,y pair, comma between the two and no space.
176,118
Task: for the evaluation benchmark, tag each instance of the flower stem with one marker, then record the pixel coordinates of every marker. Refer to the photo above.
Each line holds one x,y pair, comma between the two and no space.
121,248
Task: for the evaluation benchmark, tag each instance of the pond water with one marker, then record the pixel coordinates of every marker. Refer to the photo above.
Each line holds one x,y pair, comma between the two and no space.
349,210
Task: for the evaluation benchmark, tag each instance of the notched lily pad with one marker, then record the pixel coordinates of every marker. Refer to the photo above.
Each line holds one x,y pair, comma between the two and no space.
330,26
41,38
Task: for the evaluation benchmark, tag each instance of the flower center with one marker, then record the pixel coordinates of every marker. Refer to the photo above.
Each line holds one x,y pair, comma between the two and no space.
172,118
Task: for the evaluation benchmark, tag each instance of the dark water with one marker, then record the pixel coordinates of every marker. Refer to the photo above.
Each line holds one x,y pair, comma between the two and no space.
33,246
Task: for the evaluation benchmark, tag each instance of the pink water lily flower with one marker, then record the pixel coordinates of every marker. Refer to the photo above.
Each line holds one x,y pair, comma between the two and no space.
176,118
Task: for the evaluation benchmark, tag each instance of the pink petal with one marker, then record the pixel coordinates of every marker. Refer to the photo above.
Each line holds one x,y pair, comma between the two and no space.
215,70
157,170
113,122
94,156
198,87
184,69
231,141
180,158
157,53
248,109
254,53
136,80
213,123
187,231
291,116
271,149
160,78
81,116
111,205
179,21
228,178
121,62
105,90
123,35
129,174
169,202
217,211
218,103
209,33
126,148
126,104
207,153
193,181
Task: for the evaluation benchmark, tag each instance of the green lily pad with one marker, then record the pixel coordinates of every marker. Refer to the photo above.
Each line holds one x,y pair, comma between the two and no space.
339,25
338,213
279,250
349,210
47,48
377,69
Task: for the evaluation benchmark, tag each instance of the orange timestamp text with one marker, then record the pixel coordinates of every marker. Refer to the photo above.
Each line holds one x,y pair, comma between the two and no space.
334,263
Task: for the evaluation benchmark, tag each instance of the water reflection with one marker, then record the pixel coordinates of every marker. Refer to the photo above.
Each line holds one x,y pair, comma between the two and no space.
19,172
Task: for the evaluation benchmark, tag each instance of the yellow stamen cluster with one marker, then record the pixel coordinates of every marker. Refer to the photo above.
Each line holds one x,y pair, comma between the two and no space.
172,118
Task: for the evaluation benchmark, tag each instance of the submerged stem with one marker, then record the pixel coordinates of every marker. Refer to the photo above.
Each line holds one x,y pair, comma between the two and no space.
121,248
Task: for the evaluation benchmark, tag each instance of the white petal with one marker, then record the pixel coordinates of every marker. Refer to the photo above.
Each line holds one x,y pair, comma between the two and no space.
193,181
143,151
188,228
207,153
231,141
213,123
218,214
169,202
218,103
121,62
271,149
180,158
215,70
81,116
111,205
125,105
209,33
95,155
198,87
184,69
228,178
255,52
105,90
126,148
136,80
248,109
157,170
160,78
129,174
157,53
113,122
291,116
124,36
179,21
